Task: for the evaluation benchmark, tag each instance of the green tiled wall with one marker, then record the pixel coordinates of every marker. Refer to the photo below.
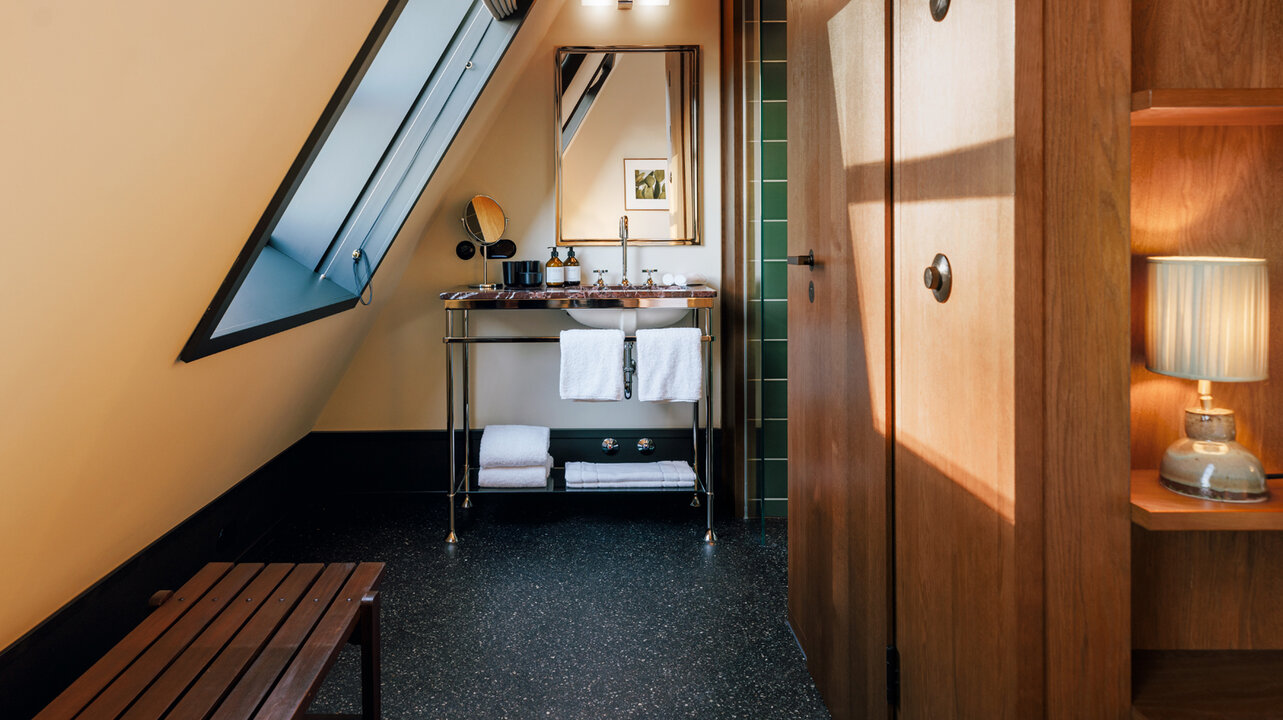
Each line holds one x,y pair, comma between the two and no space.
769,315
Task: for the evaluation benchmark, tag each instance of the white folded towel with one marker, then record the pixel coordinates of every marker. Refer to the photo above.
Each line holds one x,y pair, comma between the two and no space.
513,446
592,364
668,365
533,476
665,473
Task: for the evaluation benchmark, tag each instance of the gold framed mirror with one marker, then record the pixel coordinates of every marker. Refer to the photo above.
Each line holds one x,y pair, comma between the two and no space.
627,144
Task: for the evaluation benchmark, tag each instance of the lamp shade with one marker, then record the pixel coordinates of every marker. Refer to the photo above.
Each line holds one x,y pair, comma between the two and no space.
1208,318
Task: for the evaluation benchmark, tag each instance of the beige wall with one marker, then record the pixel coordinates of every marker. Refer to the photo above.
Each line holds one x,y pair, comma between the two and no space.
396,380
141,141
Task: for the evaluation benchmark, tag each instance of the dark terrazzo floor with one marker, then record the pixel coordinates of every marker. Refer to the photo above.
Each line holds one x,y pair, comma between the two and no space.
563,607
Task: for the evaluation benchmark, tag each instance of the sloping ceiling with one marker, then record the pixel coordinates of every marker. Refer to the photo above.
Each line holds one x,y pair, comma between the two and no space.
141,142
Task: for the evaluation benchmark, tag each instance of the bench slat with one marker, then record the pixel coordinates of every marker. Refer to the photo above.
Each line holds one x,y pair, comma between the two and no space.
175,679
258,681
296,688
72,700
135,679
217,681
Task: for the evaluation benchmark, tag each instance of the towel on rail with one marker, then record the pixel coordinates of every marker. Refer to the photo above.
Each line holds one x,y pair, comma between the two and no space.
513,446
662,474
669,367
592,365
534,476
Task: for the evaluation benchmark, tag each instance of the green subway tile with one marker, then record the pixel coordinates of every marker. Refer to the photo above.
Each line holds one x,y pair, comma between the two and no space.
774,41
775,359
773,9
775,399
774,478
775,438
777,508
775,81
775,161
775,121
775,240
775,201
775,321
775,281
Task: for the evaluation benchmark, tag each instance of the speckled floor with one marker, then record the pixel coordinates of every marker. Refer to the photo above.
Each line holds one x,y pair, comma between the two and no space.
563,607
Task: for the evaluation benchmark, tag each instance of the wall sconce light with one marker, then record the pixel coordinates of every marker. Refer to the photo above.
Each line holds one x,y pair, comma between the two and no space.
622,4
1208,320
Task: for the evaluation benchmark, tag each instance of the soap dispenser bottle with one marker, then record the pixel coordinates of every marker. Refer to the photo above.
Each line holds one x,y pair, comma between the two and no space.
572,269
554,270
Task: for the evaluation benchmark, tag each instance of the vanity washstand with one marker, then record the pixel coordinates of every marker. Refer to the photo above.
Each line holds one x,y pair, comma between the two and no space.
697,298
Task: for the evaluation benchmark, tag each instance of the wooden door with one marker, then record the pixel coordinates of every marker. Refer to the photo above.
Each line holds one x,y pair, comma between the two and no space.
838,350
954,193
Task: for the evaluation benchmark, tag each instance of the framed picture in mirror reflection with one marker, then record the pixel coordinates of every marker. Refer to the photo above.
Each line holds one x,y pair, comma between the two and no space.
645,184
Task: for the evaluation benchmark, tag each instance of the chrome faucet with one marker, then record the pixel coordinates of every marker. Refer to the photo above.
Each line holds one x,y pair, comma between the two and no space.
623,241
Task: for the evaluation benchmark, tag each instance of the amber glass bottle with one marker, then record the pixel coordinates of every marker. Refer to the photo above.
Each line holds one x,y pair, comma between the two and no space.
554,271
572,269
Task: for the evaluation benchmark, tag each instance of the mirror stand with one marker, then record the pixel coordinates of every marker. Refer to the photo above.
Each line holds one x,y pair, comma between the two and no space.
485,283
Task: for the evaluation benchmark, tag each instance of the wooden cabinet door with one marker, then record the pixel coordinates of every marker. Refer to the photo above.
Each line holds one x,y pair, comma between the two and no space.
953,193
839,350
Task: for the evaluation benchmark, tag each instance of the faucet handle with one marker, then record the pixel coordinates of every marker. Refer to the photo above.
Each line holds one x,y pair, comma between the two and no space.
650,277
601,278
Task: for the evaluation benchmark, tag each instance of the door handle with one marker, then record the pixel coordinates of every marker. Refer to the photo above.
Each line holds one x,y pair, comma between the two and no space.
807,259
938,277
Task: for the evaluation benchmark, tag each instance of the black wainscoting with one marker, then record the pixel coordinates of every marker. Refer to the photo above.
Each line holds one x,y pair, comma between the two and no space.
415,460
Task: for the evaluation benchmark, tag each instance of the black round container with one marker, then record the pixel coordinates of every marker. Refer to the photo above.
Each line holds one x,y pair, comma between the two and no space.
512,272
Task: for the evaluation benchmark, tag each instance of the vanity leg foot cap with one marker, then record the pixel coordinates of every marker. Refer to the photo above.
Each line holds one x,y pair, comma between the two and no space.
452,539
695,500
467,501
710,537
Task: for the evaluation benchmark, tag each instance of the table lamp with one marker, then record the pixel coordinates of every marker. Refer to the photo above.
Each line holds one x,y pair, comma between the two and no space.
1208,320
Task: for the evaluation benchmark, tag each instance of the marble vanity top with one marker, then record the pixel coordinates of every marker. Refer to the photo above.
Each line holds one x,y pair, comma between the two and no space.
581,297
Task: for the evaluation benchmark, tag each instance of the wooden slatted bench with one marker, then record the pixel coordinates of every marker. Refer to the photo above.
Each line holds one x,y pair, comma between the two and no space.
237,641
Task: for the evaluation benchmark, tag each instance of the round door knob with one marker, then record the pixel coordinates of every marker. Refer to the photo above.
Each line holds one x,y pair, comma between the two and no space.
938,277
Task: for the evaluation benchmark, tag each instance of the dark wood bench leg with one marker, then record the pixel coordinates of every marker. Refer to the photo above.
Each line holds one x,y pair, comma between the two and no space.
371,682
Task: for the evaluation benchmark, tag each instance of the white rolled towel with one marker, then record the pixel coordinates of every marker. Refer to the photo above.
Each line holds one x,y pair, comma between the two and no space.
663,474
533,476
669,364
513,446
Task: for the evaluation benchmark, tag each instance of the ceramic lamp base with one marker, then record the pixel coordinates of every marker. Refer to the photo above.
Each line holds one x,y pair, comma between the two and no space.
1209,464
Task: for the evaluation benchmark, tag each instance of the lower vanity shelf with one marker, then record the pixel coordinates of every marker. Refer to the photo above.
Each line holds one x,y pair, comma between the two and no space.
557,484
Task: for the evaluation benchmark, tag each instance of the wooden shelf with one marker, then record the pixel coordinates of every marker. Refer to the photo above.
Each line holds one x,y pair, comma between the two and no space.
1255,106
1154,507
1204,684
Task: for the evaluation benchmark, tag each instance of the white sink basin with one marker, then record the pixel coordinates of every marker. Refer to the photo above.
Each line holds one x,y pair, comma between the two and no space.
627,319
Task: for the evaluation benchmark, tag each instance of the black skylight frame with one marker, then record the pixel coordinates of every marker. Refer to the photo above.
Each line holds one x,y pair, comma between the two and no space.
314,297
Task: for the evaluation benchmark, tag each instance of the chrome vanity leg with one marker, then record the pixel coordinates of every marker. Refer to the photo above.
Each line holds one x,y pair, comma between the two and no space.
467,419
449,419
695,430
710,536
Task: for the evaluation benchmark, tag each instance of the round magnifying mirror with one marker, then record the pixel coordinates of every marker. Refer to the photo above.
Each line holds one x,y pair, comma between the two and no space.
484,220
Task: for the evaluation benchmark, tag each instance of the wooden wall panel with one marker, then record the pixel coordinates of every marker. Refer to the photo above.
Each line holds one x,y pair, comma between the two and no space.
1206,44
1207,590
838,352
1206,191
1085,315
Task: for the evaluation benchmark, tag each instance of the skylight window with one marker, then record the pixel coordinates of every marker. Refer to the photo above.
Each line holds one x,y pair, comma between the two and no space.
351,188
